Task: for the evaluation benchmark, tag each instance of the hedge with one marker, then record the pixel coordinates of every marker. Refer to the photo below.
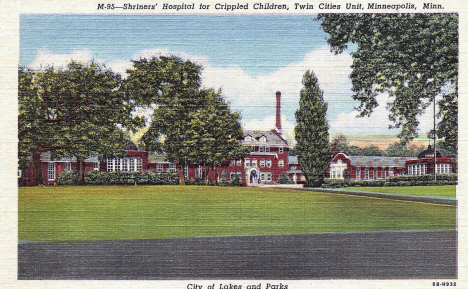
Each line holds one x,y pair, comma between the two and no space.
119,178
423,180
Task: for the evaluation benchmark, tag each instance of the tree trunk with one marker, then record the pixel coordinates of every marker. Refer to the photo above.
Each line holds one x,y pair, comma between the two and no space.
215,168
37,168
81,170
181,176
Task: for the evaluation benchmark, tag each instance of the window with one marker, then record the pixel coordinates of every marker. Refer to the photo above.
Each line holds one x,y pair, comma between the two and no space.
199,172
358,173
66,166
261,149
366,173
268,163
248,138
186,172
139,164
239,163
172,168
281,163
375,174
19,173
269,177
267,149
281,150
235,175
254,162
262,163
233,162
121,164
262,139
247,162
293,168
262,177
51,171
390,172
96,166
159,168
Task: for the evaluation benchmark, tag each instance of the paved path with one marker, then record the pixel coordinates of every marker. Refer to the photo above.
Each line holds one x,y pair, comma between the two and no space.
370,255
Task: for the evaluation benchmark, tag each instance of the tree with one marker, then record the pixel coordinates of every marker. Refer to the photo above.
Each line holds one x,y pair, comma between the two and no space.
412,57
372,150
399,149
77,111
190,124
311,131
340,144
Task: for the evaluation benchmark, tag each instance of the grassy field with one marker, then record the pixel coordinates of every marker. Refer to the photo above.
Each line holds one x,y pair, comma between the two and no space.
152,212
438,191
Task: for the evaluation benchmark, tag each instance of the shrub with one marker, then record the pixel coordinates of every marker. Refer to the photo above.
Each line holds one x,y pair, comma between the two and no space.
284,179
67,178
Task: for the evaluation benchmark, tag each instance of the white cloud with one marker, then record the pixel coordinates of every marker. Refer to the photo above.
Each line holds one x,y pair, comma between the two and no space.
45,58
245,91
269,123
378,122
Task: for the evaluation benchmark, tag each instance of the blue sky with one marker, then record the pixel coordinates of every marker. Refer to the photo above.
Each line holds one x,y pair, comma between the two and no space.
249,57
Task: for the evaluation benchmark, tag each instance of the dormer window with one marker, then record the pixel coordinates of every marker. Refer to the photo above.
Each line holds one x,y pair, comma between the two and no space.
263,139
248,138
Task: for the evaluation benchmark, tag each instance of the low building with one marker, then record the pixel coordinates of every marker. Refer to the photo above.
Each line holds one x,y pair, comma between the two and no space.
379,167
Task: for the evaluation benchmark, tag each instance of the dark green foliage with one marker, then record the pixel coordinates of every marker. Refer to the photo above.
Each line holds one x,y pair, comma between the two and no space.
311,132
119,178
190,124
284,179
413,57
68,178
76,111
400,181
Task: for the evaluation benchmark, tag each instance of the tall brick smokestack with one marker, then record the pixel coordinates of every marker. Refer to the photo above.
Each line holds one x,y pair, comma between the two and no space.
278,110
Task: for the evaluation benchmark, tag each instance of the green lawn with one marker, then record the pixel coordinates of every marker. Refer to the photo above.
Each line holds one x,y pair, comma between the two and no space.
150,212
437,191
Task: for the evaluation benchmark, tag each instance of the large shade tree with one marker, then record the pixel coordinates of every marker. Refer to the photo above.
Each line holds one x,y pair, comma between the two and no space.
190,124
77,111
311,131
412,57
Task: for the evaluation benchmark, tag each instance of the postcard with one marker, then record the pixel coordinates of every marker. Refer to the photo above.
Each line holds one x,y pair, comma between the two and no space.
229,145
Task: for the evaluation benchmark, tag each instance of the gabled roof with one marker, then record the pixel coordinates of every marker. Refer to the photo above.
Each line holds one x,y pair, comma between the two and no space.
378,161
272,137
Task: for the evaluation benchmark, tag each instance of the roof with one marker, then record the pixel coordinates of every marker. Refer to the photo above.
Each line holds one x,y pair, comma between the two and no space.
378,161
272,137
131,146
47,157
428,153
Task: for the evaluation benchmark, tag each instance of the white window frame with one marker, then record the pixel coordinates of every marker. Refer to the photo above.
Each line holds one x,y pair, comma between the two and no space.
199,172
376,170
239,162
159,167
281,163
232,163
261,149
268,177
254,163
263,138
390,171
247,162
366,173
172,168
51,171
268,163
66,166
96,166
262,163
281,150
267,149
186,171
358,173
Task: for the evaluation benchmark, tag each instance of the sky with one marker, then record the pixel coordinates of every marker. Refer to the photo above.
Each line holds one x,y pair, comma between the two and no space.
249,57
